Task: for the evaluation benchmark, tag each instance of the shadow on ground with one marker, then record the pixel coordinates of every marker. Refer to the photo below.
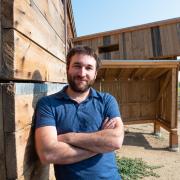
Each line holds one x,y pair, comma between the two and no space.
139,139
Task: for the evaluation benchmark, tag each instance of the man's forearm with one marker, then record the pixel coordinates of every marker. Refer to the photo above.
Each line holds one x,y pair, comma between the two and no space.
63,153
102,141
50,150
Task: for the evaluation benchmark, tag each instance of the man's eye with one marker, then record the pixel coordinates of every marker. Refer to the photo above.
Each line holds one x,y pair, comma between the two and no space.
89,68
77,66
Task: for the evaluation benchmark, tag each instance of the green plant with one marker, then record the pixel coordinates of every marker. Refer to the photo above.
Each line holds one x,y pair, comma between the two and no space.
135,169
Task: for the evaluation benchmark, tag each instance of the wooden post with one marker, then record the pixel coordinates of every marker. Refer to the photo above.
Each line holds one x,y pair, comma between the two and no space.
173,141
173,136
2,150
157,129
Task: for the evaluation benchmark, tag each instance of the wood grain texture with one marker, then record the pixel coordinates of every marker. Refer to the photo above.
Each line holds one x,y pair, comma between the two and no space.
149,42
27,19
19,100
23,59
53,12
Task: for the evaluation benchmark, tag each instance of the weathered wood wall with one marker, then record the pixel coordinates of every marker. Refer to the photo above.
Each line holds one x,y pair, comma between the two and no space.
18,101
32,49
33,40
159,40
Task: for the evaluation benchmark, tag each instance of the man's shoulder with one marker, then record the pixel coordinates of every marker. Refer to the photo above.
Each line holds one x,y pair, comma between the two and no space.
105,96
48,99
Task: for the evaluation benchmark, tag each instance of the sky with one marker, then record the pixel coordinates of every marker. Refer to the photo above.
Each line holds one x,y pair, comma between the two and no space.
93,16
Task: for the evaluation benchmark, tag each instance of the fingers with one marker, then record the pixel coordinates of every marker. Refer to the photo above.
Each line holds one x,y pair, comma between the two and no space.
109,124
104,123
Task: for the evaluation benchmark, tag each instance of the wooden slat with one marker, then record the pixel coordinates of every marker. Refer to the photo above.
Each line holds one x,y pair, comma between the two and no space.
139,64
115,39
128,48
53,12
2,148
122,46
148,73
27,19
148,48
23,59
20,100
137,44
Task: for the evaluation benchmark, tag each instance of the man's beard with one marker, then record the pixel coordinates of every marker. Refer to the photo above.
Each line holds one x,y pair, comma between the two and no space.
79,89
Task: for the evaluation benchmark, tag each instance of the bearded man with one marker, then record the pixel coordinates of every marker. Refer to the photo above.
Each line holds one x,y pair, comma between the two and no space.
78,129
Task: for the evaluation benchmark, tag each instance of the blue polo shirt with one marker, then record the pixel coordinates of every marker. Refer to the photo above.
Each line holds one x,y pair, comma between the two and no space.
69,116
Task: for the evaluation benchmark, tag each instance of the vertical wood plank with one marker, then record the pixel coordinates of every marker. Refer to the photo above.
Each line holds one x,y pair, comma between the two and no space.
122,46
174,99
128,45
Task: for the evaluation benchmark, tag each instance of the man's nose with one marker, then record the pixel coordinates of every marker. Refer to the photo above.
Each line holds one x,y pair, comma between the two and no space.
82,72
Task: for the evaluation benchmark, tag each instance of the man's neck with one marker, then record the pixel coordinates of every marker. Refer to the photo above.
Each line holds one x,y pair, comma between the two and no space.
77,96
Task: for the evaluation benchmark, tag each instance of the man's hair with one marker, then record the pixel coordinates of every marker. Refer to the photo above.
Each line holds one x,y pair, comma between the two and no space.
85,50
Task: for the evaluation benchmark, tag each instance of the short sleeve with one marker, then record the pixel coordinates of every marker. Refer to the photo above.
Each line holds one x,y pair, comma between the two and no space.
111,107
43,114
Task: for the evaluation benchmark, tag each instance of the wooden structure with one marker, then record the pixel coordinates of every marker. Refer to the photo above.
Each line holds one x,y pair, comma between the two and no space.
34,38
158,40
18,157
146,92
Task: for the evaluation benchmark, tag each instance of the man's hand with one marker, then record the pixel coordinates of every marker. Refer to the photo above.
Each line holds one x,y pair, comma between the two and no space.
109,124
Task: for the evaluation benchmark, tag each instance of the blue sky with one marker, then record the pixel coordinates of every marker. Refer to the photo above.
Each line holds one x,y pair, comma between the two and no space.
93,16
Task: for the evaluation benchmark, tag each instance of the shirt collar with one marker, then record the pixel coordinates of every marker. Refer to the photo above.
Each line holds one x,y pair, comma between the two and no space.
62,94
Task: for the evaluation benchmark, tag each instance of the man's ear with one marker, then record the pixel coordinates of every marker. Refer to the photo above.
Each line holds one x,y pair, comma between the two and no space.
95,75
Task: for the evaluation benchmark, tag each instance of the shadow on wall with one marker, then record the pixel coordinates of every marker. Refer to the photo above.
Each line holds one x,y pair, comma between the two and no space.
32,168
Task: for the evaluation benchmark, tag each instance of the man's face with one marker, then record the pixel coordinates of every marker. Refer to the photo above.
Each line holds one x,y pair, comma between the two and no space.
81,73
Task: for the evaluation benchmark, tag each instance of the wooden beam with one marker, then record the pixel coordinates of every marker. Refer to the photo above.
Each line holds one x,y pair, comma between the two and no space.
142,121
135,73
147,73
27,19
20,100
25,60
118,74
160,73
132,73
140,64
174,79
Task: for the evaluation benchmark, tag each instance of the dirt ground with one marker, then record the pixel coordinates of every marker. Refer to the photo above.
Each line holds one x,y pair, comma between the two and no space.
140,142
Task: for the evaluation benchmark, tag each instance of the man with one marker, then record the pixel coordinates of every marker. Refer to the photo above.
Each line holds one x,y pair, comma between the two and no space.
78,128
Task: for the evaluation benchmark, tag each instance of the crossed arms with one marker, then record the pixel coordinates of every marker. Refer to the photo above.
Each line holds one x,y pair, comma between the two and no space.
74,147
